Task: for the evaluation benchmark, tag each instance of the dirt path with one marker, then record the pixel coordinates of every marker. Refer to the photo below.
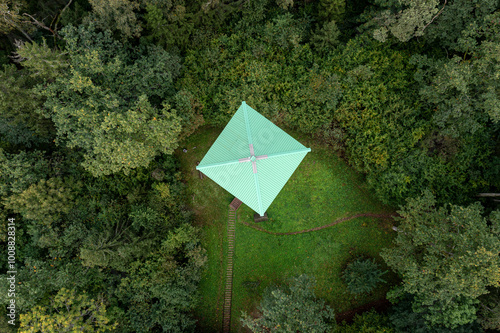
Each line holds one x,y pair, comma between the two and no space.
343,219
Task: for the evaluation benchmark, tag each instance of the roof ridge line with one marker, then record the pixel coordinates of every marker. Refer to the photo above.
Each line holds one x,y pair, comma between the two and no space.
198,167
255,175
247,122
257,188
290,152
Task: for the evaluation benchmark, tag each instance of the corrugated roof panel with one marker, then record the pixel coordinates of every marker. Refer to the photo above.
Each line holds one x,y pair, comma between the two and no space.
267,137
237,179
273,173
232,143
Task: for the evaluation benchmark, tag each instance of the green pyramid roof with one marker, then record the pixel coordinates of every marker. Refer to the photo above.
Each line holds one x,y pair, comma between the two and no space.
252,158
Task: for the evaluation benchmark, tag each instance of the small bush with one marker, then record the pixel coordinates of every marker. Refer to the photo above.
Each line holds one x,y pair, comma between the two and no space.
362,275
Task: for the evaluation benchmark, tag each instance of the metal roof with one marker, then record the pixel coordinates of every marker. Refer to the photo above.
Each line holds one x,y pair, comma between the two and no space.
252,158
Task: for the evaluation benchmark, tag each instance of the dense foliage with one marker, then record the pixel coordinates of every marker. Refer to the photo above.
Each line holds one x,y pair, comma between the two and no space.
293,308
403,318
448,256
96,95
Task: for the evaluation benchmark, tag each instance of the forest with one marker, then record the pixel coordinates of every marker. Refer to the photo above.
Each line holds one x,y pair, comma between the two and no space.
391,223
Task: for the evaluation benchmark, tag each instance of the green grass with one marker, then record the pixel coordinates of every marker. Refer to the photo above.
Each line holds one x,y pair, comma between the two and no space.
322,189
210,204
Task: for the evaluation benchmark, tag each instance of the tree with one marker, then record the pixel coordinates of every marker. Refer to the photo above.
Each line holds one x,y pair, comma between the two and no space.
458,97
273,71
19,122
170,25
10,18
160,290
489,310
19,100
190,111
455,17
458,313
43,202
42,206
41,277
121,236
453,91
293,308
116,15
111,104
69,312
121,219
447,257
436,20
362,275
40,60
404,319
332,10
327,37
127,236
376,108
410,21
20,171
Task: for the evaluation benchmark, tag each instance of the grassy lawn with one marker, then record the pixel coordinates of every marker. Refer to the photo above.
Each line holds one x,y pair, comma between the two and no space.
322,190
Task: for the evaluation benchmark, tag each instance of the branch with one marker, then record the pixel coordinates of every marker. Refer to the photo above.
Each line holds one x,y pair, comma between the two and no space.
60,14
488,195
449,253
41,25
439,13
484,306
18,28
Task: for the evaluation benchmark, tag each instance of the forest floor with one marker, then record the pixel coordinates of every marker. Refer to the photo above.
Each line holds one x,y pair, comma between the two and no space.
324,197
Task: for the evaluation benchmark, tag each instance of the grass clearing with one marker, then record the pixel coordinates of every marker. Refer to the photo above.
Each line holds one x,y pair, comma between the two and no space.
322,190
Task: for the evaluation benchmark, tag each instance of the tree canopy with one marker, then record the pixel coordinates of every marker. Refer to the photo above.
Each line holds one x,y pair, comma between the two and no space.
447,258
96,96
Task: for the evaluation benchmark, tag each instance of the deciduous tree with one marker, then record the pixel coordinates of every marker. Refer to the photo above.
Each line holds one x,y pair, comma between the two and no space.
112,105
404,319
116,15
447,257
44,202
293,308
69,312
160,290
